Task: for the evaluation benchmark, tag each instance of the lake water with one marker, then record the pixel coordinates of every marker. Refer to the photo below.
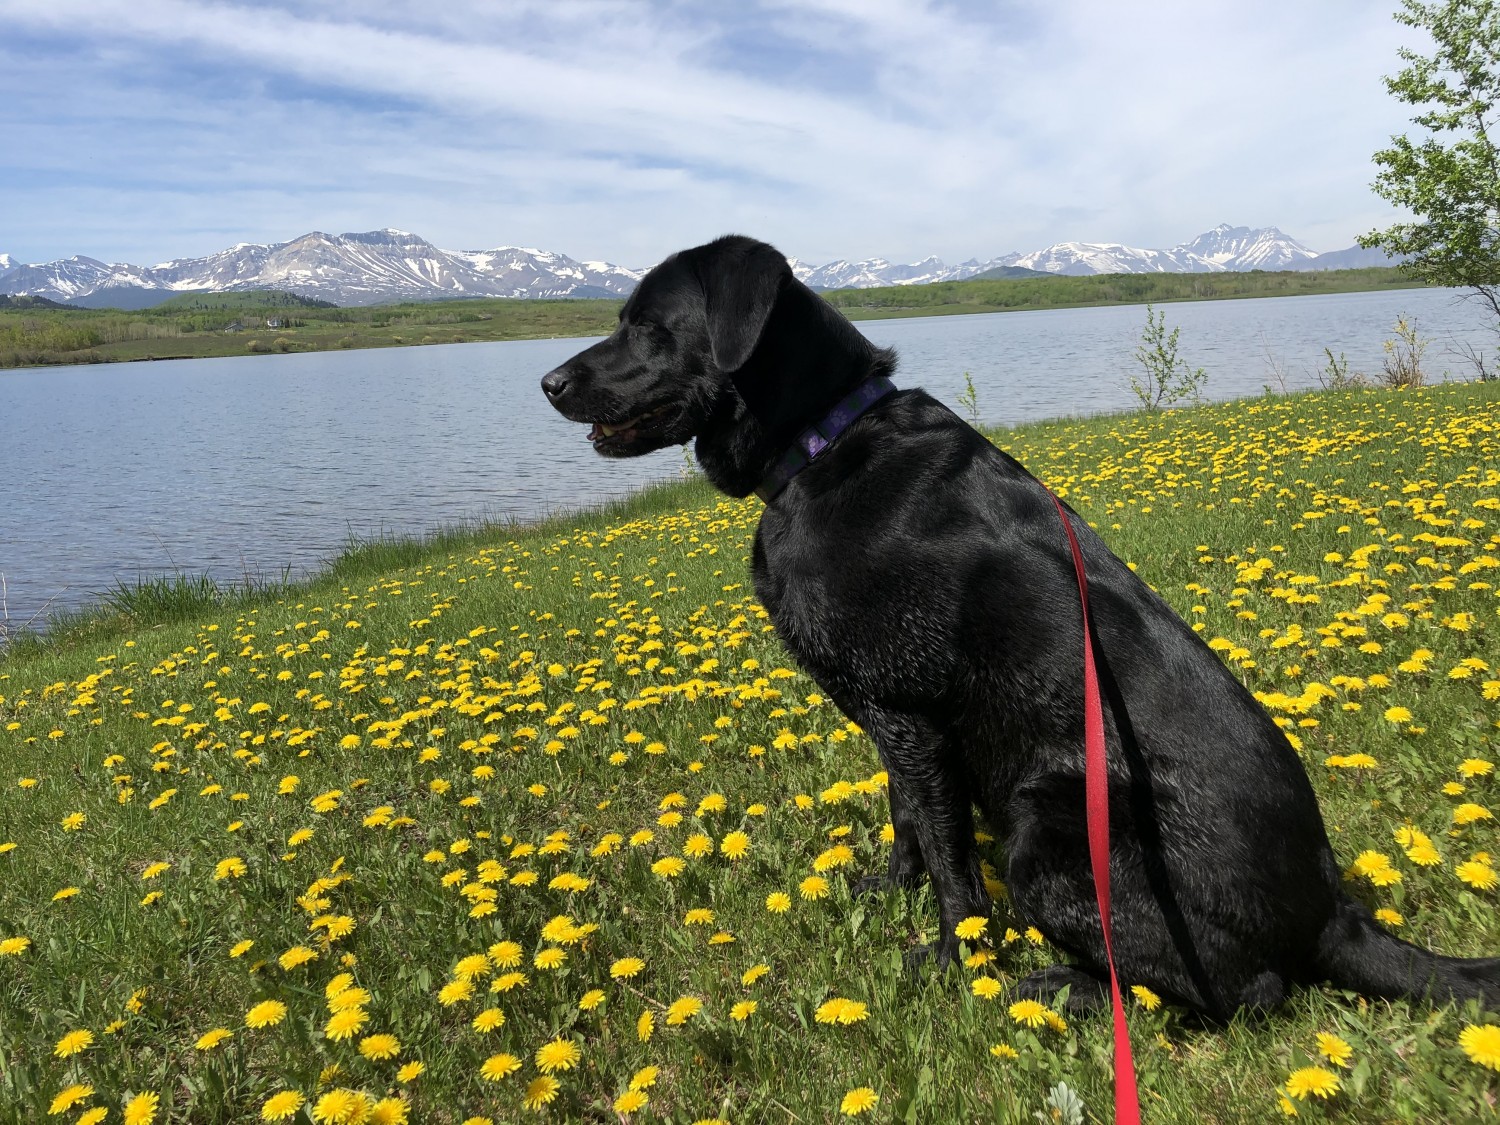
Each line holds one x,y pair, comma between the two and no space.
258,465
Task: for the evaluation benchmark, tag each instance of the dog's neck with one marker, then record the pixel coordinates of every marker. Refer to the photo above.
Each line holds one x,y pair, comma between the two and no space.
809,359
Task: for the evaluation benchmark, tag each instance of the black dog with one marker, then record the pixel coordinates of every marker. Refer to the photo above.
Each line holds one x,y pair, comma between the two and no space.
922,578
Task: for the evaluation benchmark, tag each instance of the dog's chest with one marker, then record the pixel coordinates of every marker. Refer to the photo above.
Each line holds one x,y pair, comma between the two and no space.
859,628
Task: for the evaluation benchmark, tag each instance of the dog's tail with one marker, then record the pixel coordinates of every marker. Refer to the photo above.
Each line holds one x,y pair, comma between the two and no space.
1357,953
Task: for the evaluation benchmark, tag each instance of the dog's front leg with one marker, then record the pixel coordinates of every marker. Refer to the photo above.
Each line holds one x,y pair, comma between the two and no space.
906,866
928,800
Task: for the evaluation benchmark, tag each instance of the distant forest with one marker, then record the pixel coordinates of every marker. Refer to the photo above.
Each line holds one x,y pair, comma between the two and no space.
1056,291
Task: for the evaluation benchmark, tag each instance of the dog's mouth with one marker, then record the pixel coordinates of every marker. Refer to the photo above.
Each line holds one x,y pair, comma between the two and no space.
637,434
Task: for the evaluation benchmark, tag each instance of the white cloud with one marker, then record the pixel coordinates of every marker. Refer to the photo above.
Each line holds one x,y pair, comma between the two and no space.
617,129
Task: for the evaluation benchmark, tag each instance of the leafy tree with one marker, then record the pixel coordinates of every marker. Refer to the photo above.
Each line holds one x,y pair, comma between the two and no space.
1449,178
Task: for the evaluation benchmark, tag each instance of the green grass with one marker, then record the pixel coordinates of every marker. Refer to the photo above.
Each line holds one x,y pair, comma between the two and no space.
195,326
399,741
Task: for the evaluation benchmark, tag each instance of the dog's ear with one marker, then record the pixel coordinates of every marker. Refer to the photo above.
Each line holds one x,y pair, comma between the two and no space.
741,280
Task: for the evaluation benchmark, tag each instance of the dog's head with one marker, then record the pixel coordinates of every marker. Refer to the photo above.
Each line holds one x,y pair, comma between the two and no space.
719,342
691,324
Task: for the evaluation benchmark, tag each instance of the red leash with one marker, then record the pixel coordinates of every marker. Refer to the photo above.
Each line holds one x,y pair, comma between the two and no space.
1096,791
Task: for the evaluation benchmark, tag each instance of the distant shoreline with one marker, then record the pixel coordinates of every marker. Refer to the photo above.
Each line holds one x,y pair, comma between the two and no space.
205,326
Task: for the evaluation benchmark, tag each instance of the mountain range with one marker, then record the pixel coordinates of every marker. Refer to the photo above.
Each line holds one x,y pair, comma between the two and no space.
393,265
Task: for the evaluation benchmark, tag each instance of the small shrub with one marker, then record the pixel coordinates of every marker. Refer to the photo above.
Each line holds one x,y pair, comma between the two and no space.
346,341
1403,356
256,346
969,400
281,344
1166,376
1336,375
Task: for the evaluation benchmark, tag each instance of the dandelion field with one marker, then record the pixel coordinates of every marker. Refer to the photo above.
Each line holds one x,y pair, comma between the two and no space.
545,826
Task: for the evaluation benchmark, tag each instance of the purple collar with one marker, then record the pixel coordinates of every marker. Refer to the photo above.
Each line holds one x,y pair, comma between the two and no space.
816,438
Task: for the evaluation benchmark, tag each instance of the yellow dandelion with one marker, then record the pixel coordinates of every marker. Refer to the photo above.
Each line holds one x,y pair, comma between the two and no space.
506,954
140,1109
630,1101
813,887
488,1020
268,1013
970,928
644,1078
297,955
378,1048
1480,876
753,974
1029,1012
1145,997
626,967
743,1010
558,1054
1312,1081
73,1043
986,988
499,1066
211,1039
1482,1044
67,1098
344,1024
1004,1051
281,1106
591,1000
1334,1049
411,1071
859,1100
540,1092
683,1009
341,1107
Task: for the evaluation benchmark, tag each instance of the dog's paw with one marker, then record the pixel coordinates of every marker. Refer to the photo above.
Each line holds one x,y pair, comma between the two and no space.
870,886
936,957
1086,992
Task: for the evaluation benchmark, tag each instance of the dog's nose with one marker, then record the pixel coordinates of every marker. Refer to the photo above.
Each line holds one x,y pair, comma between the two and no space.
554,383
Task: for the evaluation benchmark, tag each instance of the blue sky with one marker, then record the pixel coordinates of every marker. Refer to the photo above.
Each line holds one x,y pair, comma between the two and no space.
143,130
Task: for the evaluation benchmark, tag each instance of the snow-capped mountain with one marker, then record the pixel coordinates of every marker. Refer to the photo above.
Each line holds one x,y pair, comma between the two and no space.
394,265
1223,248
872,272
348,269
1240,248
1075,258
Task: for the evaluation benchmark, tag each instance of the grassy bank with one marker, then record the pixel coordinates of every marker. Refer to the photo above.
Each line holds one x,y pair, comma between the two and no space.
544,818
1013,294
205,325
